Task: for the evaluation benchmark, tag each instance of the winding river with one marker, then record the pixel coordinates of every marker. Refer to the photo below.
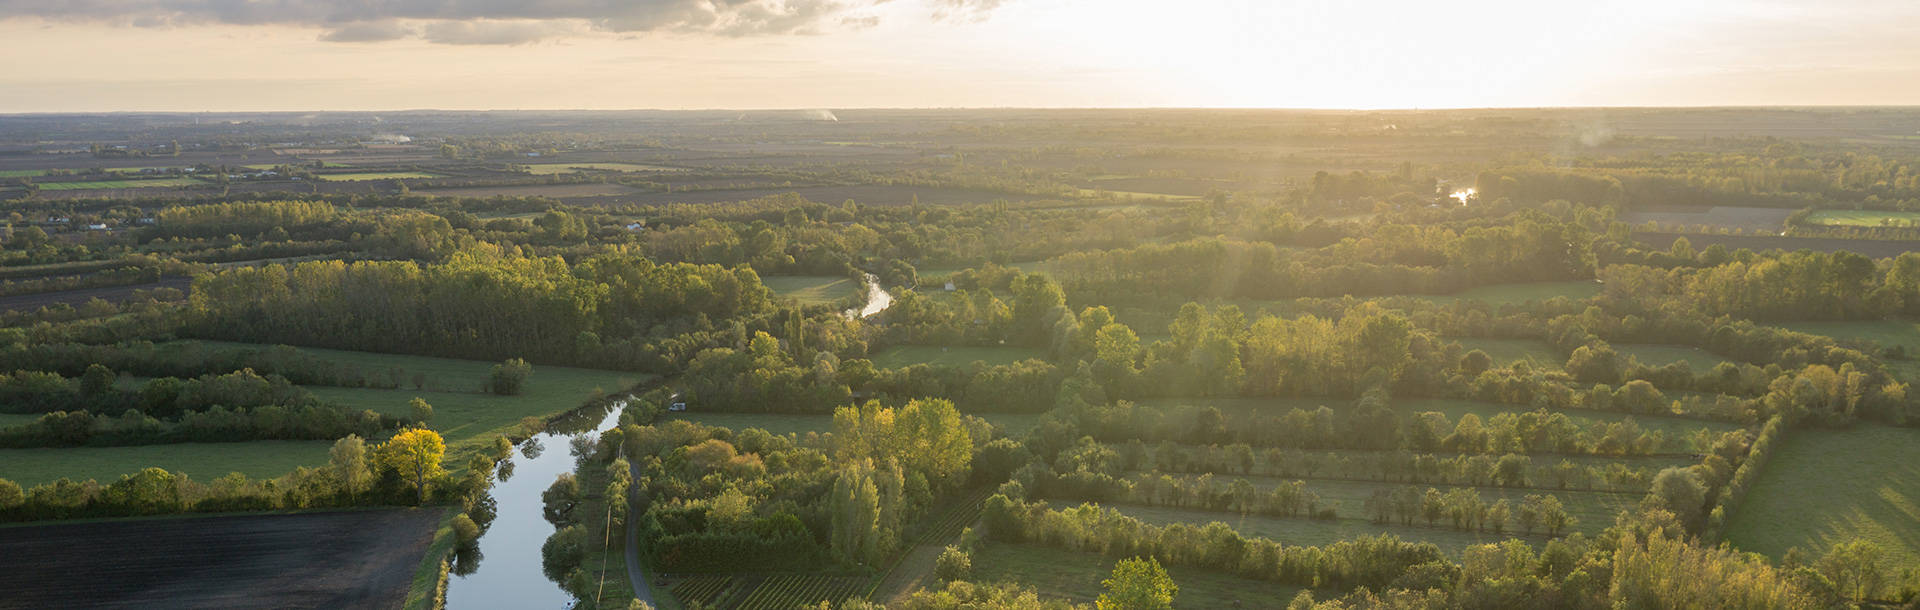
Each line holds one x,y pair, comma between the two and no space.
509,574
878,299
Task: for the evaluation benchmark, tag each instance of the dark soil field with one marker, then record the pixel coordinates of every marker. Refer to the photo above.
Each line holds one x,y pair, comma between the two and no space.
592,189
1871,247
359,559
865,194
29,302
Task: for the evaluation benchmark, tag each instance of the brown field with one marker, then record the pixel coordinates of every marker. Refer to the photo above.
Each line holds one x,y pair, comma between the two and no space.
591,189
354,559
865,194
1870,247
1749,219
111,294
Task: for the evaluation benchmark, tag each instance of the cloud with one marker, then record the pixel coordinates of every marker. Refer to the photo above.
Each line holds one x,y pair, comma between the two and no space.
965,10
487,21
368,31
495,32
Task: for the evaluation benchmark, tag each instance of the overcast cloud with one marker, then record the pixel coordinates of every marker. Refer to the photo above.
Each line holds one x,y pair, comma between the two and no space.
489,21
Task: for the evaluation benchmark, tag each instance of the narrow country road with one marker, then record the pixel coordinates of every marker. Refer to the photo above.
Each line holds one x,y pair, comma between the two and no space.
642,590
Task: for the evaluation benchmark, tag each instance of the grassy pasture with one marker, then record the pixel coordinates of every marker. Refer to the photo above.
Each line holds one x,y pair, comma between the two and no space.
812,289
1885,333
798,423
461,413
22,173
1660,355
900,356
1594,509
1864,218
1076,576
119,184
361,176
548,169
202,461
1515,294
1676,428
1825,486
8,420
1536,353
1311,532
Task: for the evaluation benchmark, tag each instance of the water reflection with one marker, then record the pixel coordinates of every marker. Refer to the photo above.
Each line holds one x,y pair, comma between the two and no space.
511,576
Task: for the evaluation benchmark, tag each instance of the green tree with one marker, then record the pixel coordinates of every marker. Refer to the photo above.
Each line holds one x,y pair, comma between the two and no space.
421,411
1137,584
97,380
415,454
508,378
953,564
1855,567
348,459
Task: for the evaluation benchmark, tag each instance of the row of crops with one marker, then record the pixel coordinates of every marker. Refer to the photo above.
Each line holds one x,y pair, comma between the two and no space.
773,592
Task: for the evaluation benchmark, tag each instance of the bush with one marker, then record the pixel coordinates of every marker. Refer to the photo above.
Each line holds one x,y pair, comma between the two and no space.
508,377
953,564
465,531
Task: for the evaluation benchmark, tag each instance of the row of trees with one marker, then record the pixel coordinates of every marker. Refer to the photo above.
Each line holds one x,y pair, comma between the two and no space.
403,470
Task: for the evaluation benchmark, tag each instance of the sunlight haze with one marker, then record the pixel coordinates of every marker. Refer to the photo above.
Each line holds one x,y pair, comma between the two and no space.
171,55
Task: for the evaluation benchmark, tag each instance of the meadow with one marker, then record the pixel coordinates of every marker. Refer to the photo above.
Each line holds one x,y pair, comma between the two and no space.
362,176
800,424
1536,353
1883,333
1825,486
1661,355
1594,509
202,461
1314,532
1515,294
1864,218
900,356
813,289
548,169
120,184
461,412
1076,576
1675,428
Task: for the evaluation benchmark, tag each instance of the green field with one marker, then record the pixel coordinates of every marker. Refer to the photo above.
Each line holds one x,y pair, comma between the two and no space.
362,176
795,423
1826,486
1676,428
1698,359
1594,509
119,184
546,169
21,173
1864,218
1885,333
1311,532
202,461
460,412
1074,575
8,420
812,289
1514,294
1536,353
900,356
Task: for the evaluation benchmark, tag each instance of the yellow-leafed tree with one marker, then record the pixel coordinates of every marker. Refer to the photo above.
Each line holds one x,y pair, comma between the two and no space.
415,454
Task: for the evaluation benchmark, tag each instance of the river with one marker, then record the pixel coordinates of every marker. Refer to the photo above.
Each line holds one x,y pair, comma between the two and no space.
509,574
878,299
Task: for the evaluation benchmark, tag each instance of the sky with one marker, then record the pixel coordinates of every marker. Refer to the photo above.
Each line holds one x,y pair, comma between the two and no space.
256,55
